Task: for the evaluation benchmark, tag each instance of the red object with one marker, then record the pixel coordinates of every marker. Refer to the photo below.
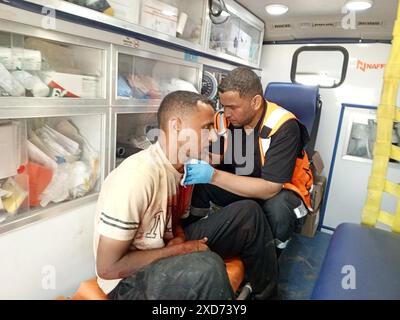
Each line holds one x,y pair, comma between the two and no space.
39,178
59,91
21,169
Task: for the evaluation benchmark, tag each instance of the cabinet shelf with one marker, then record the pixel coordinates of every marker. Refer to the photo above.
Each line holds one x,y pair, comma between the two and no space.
150,24
141,78
49,160
34,68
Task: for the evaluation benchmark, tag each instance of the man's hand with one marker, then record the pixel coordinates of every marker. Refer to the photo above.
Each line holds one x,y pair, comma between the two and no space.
176,240
198,172
195,245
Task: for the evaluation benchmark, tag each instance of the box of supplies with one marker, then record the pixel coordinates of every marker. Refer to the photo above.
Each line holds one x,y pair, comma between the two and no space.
159,16
72,85
127,10
310,224
317,195
317,165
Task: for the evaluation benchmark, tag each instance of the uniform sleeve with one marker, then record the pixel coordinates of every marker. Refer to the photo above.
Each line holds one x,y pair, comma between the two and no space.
280,160
124,203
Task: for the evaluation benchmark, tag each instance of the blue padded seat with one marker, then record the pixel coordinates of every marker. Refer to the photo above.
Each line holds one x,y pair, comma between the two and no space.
303,101
375,255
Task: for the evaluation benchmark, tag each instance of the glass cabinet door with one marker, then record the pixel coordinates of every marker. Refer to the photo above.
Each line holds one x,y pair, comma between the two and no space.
177,18
49,161
35,67
133,133
236,38
14,186
148,80
250,42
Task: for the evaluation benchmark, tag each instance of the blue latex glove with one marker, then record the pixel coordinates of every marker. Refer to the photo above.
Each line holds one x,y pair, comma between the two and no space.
198,171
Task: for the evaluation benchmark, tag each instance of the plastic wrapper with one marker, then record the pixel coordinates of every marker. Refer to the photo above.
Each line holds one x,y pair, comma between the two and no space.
39,178
31,83
144,87
89,155
16,196
124,90
10,84
70,181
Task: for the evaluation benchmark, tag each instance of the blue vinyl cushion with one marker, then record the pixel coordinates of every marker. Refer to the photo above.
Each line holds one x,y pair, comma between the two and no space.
375,255
299,99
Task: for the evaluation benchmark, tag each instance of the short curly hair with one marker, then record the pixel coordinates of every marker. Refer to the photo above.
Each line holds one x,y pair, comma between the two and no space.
244,80
179,103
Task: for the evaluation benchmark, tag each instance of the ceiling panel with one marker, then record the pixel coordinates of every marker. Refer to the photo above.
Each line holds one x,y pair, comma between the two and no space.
323,19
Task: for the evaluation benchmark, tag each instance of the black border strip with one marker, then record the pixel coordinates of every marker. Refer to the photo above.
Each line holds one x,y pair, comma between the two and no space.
326,41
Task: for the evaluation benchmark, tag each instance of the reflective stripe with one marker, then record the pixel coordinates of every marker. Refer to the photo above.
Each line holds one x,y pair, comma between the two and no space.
265,143
220,123
281,245
301,211
275,117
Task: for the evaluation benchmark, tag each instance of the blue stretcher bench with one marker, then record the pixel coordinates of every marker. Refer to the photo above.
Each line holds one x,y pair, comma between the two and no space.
375,256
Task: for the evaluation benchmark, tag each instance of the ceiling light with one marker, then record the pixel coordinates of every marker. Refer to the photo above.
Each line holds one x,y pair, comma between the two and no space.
276,9
358,5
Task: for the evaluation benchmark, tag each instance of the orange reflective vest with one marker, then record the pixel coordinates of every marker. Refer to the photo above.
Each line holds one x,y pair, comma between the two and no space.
275,117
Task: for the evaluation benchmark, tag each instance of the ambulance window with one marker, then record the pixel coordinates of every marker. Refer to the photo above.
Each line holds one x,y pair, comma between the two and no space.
325,66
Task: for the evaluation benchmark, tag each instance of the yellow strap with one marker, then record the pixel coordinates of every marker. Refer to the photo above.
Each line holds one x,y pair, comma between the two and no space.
386,218
392,188
386,112
395,154
384,150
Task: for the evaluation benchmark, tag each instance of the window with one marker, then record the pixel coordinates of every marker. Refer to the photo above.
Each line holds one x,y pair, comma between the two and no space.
325,66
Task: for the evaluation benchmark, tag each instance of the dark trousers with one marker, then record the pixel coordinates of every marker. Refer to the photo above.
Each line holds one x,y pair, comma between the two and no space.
241,229
194,276
279,210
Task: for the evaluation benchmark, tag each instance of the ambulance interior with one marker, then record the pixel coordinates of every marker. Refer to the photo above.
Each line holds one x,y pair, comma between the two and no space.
80,86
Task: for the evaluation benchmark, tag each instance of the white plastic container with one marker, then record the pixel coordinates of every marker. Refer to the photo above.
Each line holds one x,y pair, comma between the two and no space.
159,16
127,10
80,85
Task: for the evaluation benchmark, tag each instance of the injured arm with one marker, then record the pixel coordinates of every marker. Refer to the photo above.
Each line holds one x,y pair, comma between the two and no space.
115,260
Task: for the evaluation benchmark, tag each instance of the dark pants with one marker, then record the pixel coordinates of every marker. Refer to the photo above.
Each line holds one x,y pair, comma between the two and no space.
241,229
194,276
279,210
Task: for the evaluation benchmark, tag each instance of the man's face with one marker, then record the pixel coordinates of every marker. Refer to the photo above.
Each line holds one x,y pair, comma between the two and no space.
198,132
238,110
